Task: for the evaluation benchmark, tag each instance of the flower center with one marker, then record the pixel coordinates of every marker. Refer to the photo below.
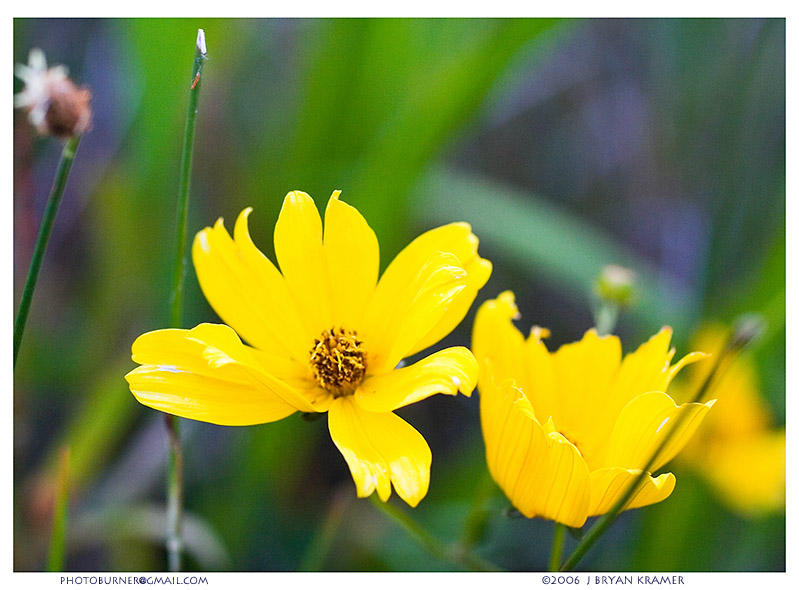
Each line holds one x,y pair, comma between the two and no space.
338,361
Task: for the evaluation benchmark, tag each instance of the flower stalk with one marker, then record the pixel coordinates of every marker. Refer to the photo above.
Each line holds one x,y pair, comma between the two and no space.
174,543
605,318
615,290
557,547
477,518
179,272
319,547
432,545
50,212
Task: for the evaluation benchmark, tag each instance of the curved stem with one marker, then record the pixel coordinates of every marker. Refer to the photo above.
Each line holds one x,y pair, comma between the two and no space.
60,181
557,547
319,547
174,543
410,526
433,546
475,523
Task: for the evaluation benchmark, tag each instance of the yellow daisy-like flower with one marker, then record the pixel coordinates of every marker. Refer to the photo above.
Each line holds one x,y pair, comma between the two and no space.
324,336
738,437
567,432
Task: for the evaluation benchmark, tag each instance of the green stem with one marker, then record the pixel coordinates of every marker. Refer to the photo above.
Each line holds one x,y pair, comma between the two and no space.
414,530
320,545
432,545
602,524
174,541
475,523
179,267
557,547
605,318
60,181
174,509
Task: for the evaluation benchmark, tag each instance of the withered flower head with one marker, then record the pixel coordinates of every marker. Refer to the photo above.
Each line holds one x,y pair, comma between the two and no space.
55,105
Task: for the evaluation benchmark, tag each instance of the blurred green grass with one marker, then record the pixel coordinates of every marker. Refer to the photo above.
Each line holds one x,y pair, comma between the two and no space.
404,116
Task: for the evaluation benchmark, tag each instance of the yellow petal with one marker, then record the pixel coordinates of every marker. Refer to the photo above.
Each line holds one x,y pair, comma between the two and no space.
539,380
207,374
301,255
647,369
400,314
641,371
748,472
477,273
353,261
735,449
393,295
585,370
741,409
671,372
380,449
247,291
608,485
644,423
447,371
496,342
540,471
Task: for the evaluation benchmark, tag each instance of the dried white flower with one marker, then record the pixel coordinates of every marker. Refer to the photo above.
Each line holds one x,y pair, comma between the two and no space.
55,105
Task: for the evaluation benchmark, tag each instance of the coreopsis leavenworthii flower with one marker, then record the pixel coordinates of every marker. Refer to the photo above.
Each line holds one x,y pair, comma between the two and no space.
567,431
323,335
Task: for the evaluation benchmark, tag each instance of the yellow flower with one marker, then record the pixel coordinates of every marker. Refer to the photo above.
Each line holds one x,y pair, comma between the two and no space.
567,432
324,336
738,436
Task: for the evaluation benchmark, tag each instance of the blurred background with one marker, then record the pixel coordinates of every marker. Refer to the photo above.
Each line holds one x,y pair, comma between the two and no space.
568,145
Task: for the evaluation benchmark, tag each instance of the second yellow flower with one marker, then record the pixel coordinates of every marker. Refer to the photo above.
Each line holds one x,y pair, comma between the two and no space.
567,432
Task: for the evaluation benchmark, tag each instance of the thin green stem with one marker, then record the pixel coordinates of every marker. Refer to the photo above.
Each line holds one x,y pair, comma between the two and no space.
557,547
179,267
475,523
602,524
414,530
473,562
174,509
174,541
606,316
60,181
320,545
432,545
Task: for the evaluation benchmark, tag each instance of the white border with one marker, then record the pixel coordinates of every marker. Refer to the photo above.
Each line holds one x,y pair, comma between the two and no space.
495,8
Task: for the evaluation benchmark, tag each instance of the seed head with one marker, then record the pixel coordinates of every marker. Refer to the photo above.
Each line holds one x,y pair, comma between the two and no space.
55,105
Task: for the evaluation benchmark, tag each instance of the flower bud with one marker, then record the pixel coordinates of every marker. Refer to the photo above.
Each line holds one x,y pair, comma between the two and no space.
55,105
616,285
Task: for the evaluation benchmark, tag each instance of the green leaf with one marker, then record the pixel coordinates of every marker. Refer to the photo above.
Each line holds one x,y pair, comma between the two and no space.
549,244
56,554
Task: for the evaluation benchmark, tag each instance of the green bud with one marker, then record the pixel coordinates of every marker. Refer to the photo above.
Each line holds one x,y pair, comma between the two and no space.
616,285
